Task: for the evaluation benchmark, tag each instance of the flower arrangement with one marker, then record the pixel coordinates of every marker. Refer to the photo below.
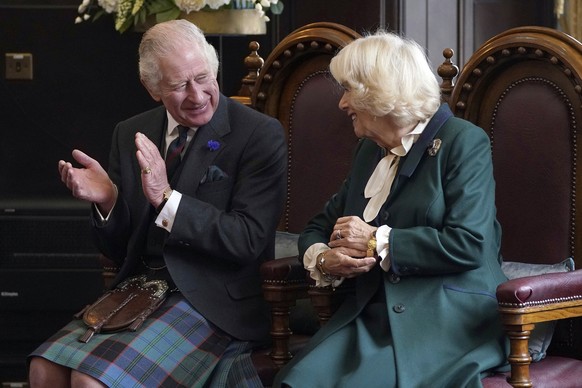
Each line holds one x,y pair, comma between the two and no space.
133,12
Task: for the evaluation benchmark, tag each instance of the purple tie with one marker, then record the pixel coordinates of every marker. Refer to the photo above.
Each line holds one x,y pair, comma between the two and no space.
173,156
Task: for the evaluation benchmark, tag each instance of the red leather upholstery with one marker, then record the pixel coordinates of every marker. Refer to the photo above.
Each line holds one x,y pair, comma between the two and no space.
539,290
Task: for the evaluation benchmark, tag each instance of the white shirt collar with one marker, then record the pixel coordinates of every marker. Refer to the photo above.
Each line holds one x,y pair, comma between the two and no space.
409,139
172,131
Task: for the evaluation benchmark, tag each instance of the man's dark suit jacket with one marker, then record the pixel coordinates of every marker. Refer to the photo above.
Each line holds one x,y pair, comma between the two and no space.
225,224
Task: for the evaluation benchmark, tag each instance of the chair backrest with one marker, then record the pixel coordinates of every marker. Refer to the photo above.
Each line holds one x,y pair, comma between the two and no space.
524,88
295,86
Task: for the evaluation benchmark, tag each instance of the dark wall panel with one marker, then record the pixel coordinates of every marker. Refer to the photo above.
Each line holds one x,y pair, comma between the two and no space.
85,80
361,16
492,17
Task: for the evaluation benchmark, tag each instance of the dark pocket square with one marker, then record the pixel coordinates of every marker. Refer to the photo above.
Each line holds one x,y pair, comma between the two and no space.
213,174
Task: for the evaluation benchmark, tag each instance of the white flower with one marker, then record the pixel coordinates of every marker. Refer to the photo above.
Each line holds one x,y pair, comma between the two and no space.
190,5
131,12
215,4
83,6
110,6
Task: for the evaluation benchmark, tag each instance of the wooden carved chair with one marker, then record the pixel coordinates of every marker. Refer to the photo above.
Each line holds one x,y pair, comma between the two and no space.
294,85
524,88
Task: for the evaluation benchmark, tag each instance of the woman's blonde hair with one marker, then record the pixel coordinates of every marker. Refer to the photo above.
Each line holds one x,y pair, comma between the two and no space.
388,75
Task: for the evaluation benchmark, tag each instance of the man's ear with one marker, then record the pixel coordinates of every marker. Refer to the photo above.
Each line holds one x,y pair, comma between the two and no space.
155,95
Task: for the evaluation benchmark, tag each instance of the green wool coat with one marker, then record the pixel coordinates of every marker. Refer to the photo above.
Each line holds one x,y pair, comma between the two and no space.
444,250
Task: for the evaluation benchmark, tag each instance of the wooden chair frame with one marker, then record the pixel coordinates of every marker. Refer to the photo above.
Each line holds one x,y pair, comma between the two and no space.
525,302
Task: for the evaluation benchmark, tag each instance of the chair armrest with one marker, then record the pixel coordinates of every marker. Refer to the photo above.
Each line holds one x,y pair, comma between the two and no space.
284,282
541,293
523,302
286,269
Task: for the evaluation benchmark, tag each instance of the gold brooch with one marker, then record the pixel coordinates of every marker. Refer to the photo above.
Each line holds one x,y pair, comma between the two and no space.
434,147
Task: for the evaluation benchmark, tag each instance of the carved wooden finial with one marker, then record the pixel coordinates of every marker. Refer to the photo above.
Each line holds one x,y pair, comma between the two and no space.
253,63
447,71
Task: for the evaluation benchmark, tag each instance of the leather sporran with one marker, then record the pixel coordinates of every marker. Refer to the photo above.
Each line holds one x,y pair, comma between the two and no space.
123,308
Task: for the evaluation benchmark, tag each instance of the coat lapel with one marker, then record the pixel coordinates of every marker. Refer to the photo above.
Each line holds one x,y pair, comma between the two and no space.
411,161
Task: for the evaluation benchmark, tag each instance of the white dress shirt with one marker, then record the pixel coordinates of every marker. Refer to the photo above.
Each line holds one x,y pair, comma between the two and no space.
168,213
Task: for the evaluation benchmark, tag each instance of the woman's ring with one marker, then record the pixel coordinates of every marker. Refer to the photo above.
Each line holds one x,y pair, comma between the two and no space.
146,170
338,234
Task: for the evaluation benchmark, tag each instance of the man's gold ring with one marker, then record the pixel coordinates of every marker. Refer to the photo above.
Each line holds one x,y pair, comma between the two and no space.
146,170
339,234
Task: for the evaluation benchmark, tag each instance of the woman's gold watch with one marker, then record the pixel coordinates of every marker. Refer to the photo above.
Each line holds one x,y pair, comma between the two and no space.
371,252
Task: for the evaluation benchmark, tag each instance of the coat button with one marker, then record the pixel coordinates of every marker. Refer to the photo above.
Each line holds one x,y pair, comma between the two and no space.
399,308
393,278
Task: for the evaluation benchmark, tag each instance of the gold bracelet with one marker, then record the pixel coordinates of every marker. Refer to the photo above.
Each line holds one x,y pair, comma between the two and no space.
320,261
371,252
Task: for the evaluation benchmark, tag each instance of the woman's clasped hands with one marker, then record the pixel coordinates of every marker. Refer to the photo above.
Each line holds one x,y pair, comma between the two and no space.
348,243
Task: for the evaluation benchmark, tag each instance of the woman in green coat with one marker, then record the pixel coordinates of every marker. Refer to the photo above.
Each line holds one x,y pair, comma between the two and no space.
414,227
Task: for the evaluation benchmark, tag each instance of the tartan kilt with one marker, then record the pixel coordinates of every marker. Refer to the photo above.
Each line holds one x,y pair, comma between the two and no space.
175,347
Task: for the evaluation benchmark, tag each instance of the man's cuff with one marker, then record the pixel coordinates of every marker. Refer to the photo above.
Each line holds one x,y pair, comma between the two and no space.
168,213
100,216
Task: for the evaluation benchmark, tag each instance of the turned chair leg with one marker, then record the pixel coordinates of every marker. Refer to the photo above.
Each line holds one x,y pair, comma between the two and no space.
519,356
321,299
